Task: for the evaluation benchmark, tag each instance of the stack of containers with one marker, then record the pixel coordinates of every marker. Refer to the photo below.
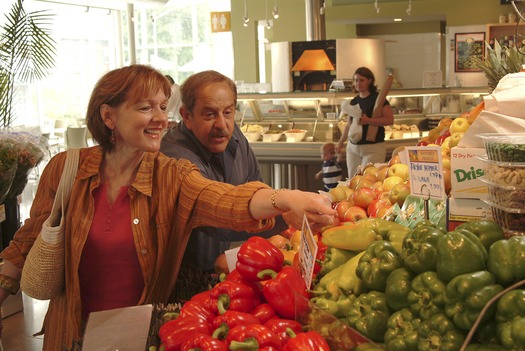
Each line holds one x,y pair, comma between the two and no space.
505,178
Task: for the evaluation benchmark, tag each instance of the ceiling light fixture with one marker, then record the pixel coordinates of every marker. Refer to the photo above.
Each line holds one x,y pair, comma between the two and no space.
268,24
245,19
376,5
409,9
275,12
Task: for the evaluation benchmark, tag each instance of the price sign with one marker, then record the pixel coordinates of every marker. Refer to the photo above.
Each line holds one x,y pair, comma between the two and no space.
426,172
307,253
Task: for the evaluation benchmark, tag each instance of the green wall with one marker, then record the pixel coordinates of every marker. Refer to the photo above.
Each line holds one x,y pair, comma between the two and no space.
291,25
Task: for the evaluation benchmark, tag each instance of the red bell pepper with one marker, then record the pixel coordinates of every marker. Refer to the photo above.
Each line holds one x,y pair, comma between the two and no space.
234,275
309,341
194,308
281,326
286,292
177,331
256,254
230,319
252,337
204,298
264,312
235,296
204,342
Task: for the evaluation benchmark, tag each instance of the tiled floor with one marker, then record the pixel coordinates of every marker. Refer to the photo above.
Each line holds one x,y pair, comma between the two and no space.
18,329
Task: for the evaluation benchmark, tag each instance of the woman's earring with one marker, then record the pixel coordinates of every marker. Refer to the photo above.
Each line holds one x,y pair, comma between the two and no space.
112,137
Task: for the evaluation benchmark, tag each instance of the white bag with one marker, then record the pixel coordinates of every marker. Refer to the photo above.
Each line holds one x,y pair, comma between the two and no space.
355,133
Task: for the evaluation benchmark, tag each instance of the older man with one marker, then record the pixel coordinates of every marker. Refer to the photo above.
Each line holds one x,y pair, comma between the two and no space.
209,137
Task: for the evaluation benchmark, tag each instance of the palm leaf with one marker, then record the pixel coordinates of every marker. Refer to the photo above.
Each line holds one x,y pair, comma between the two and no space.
27,53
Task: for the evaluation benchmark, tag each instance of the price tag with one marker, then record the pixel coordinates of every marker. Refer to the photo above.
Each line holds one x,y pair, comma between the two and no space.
426,172
307,253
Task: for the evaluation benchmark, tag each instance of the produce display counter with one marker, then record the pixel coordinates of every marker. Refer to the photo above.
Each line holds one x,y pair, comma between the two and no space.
294,165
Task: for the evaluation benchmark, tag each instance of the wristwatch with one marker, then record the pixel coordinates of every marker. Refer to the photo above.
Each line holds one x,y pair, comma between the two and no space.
10,284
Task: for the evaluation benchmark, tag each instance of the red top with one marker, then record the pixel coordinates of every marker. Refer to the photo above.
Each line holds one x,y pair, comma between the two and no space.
109,272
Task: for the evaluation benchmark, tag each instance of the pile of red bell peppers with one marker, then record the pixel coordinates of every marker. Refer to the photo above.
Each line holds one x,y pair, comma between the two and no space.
254,308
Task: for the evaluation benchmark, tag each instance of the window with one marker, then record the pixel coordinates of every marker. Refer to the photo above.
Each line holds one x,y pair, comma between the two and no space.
175,38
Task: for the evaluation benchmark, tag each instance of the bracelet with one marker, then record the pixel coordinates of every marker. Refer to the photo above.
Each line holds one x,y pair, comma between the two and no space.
273,200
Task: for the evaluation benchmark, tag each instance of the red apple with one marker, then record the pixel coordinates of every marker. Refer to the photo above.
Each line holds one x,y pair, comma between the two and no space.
363,197
442,137
374,206
399,193
364,183
341,208
354,213
354,181
384,210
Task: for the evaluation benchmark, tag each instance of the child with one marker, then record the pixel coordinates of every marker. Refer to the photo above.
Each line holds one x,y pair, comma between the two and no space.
331,171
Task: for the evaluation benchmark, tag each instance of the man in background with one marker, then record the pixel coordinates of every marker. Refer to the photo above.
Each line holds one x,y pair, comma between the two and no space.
209,137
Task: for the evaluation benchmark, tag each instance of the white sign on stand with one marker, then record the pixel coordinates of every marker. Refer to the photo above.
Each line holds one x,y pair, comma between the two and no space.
426,172
307,253
119,329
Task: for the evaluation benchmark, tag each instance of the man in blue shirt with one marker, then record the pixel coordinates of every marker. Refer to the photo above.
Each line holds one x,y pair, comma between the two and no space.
209,137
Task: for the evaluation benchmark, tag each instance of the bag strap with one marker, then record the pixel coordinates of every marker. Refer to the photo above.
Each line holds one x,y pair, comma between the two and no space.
64,187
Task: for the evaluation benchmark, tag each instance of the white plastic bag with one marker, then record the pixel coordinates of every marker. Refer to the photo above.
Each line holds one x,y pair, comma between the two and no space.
355,133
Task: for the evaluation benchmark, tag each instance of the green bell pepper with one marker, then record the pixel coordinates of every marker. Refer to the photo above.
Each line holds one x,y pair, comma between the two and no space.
398,285
402,331
439,333
486,230
354,238
345,303
369,315
510,318
348,281
507,260
379,260
328,285
427,295
459,252
330,306
334,257
467,294
419,249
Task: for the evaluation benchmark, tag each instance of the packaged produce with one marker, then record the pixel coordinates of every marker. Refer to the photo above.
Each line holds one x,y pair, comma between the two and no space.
511,219
505,147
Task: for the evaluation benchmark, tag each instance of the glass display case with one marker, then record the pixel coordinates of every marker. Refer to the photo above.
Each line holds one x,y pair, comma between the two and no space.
293,164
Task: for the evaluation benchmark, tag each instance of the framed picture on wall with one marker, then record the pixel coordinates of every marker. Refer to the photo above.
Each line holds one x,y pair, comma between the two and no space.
468,47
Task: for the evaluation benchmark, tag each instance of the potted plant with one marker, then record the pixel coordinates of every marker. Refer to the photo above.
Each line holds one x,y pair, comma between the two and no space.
27,53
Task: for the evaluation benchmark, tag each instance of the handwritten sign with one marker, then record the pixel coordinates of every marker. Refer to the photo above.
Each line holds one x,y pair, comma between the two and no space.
426,172
307,253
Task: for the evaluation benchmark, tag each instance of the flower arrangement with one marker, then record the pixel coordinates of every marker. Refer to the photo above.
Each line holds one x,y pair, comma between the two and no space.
8,164
21,150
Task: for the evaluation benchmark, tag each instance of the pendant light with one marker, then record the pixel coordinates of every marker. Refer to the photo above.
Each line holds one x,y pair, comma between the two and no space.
275,12
409,9
246,19
376,5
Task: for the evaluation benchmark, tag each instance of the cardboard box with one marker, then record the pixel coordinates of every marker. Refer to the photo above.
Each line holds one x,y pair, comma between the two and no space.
463,210
466,169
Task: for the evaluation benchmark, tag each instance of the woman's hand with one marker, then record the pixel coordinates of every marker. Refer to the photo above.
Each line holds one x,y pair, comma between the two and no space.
317,208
